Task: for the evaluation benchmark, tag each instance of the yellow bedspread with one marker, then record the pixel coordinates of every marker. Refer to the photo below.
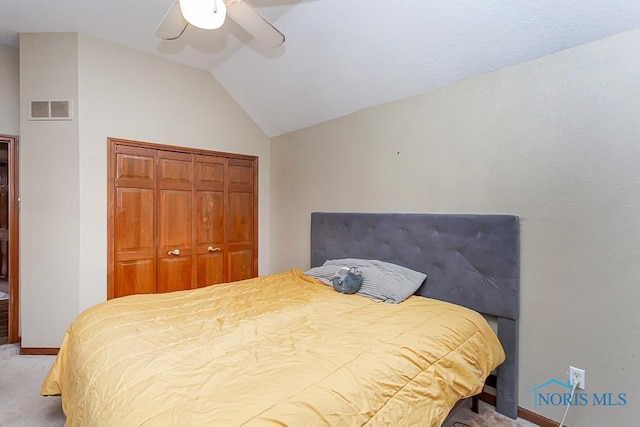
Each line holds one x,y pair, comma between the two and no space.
281,350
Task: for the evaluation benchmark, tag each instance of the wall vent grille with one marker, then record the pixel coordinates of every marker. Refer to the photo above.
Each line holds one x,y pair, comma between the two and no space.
50,110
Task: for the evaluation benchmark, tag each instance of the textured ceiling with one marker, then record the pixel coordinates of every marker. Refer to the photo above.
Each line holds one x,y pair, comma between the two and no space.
340,56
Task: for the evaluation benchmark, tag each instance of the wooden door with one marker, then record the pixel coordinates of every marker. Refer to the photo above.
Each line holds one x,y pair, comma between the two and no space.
4,218
10,156
210,243
241,220
134,234
175,221
179,218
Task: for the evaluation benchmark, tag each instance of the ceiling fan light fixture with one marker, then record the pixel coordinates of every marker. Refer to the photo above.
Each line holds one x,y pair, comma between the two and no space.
205,14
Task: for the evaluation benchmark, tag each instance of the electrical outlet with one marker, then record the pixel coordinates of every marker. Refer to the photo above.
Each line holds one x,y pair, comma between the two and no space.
577,375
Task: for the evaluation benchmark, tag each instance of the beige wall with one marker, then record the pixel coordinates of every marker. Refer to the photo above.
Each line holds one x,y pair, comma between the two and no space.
9,90
119,93
126,94
49,182
555,141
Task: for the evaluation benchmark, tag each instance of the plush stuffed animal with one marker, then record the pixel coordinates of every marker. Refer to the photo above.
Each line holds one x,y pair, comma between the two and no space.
347,280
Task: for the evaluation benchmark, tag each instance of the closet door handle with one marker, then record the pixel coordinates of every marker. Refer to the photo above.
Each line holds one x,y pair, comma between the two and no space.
212,249
174,252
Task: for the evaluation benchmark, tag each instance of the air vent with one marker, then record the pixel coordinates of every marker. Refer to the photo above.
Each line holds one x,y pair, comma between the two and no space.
50,110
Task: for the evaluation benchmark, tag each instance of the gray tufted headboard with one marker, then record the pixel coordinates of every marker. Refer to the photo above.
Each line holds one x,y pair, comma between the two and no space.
470,260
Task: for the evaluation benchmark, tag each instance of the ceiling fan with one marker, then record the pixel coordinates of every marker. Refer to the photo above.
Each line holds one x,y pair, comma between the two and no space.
210,14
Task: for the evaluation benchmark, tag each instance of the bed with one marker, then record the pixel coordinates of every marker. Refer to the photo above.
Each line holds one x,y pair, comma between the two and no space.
286,349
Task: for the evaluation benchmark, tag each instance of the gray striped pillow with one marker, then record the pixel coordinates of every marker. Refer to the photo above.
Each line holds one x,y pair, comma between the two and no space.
380,280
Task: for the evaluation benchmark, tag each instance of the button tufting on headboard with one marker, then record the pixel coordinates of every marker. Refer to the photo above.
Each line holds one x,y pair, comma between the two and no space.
457,252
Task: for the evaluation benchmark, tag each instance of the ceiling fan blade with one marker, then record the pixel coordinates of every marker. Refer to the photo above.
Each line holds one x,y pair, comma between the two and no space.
173,24
245,16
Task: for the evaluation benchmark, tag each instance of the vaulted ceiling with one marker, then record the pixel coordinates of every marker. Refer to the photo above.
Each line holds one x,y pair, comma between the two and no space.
340,56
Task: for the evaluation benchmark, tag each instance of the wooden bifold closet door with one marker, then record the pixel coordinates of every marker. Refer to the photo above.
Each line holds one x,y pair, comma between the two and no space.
179,218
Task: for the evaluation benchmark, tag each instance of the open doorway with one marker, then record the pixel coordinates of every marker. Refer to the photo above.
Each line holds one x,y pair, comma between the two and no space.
9,291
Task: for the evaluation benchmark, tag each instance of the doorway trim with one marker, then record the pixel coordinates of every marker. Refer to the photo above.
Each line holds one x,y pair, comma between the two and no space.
14,248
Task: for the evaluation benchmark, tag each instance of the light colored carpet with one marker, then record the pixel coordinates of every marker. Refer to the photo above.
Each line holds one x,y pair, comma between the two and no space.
22,406
20,379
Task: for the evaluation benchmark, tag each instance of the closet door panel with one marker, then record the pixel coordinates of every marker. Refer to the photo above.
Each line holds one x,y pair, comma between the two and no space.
135,167
175,221
240,202
209,218
210,221
134,222
209,238
209,195
209,172
174,274
135,277
240,264
175,170
241,220
241,175
210,269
